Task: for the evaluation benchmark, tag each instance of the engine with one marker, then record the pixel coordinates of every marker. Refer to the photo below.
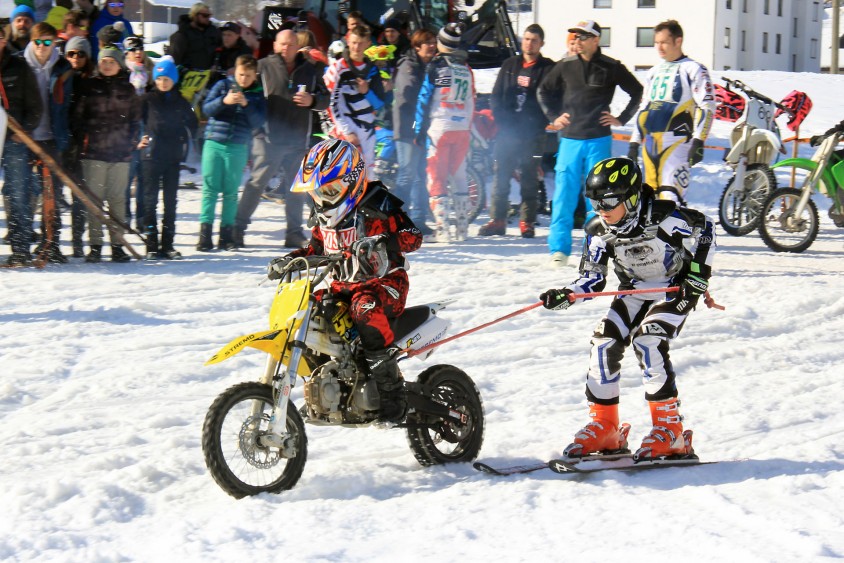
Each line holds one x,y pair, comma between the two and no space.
340,394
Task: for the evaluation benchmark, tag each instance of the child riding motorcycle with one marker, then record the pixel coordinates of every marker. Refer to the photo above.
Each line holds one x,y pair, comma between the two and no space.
363,218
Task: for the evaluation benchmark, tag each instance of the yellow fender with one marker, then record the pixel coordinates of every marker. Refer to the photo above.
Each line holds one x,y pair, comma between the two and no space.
286,314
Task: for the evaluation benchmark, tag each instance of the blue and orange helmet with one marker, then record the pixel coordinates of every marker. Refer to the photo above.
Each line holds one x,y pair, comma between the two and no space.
334,175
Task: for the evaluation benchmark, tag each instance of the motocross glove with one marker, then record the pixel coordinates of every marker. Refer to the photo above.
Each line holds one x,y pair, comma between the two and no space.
633,152
691,288
556,299
278,267
816,140
696,152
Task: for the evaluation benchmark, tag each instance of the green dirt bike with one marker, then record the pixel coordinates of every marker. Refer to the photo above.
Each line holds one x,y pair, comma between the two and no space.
254,436
789,216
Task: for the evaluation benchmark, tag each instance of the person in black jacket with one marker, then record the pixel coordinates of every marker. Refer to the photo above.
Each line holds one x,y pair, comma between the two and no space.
195,44
21,101
294,90
576,97
521,132
407,81
169,124
232,47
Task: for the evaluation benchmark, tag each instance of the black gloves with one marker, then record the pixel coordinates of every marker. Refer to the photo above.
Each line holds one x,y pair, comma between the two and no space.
691,288
277,266
696,152
633,152
556,299
816,140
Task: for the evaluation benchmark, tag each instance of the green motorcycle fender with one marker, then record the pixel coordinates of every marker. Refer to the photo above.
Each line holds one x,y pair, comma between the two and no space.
809,165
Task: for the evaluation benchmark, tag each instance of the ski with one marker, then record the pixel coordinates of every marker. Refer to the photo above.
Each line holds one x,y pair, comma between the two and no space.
530,467
625,464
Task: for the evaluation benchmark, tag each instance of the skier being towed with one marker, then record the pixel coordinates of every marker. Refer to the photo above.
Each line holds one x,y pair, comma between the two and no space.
653,243
364,218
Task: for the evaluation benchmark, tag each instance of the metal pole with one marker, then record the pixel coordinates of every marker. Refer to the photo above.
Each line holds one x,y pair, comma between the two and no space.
836,17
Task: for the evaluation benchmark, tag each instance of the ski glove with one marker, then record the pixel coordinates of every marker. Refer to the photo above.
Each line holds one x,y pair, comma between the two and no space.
696,152
278,267
633,152
556,299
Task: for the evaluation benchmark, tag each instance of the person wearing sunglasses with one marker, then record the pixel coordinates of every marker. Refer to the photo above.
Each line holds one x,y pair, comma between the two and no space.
194,45
21,101
112,15
55,88
653,244
675,117
576,97
74,24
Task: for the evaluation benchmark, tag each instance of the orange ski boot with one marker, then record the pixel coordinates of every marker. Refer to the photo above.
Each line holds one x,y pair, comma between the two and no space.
666,438
603,435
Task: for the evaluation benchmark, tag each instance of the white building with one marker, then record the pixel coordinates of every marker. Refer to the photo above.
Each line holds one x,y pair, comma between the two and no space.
721,34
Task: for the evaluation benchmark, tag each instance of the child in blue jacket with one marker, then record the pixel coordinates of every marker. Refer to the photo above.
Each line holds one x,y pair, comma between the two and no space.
235,107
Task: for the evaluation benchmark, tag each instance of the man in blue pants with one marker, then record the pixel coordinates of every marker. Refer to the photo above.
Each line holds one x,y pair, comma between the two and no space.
576,97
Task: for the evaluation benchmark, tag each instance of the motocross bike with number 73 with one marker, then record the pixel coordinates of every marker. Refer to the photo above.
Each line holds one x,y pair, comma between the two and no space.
254,437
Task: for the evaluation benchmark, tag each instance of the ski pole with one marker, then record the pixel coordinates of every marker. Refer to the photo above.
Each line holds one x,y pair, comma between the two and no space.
572,297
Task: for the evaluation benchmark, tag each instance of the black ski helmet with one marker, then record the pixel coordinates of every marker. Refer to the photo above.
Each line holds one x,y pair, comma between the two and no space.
614,181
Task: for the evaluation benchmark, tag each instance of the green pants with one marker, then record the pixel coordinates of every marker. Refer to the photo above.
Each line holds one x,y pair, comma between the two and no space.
222,169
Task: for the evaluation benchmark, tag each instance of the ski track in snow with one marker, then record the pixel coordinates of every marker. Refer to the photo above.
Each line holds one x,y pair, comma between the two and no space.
103,394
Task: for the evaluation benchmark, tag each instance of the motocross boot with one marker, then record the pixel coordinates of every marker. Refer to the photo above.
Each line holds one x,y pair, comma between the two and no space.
602,435
461,215
385,371
666,438
440,209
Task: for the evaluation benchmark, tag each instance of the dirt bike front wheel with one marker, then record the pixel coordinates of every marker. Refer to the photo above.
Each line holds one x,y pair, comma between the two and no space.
740,205
781,228
231,440
436,440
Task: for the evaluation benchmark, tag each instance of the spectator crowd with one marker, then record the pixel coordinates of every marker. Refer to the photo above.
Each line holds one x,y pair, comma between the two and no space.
80,84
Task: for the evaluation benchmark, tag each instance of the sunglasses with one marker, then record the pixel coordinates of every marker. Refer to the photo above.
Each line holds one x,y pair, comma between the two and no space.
74,54
45,42
606,204
584,36
203,14
115,4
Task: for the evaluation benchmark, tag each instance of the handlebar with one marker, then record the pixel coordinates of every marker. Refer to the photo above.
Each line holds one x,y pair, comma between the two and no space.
754,94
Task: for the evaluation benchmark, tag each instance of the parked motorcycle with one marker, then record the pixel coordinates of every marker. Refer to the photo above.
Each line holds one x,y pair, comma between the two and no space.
790,217
254,438
755,142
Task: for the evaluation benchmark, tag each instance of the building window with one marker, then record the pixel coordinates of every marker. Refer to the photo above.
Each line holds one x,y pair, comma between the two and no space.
644,37
794,29
814,49
779,8
767,9
647,3
778,49
606,37
727,36
744,6
815,9
602,4
743,40
729,4
765,42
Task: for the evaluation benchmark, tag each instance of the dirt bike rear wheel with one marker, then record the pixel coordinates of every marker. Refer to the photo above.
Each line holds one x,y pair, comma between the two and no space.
780,229
239,464
477,192
434,440
739,207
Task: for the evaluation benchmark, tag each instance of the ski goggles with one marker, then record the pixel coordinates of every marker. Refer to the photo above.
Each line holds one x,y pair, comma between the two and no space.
606,204
115,4
328,195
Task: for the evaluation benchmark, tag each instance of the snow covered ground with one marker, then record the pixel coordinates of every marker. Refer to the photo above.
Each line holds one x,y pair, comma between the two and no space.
103,394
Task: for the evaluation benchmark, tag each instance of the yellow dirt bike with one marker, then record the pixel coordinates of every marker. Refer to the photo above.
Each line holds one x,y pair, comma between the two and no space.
254,437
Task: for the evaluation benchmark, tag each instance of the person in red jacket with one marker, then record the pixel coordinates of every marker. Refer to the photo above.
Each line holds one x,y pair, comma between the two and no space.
364,218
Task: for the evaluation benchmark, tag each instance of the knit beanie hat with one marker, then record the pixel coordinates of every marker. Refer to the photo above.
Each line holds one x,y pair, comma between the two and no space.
111,34
78,44
166,67
22,10
112,52
448,39
393,23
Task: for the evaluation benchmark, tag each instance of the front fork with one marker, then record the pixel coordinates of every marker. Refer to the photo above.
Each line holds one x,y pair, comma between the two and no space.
284,382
